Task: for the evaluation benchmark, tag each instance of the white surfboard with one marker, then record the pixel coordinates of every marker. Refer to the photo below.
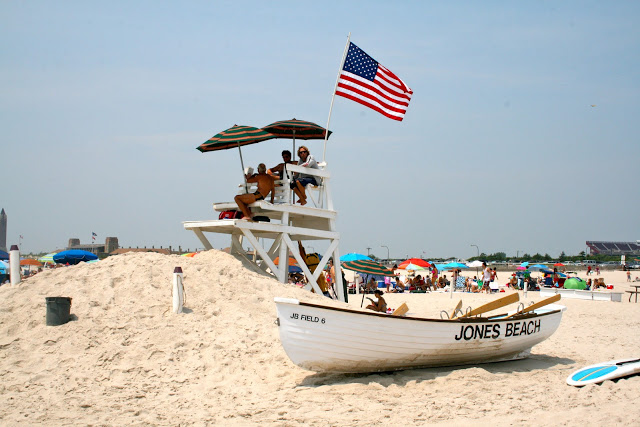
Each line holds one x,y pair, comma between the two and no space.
604,371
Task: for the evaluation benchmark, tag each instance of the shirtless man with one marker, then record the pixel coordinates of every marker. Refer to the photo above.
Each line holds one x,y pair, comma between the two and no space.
278,171
265,186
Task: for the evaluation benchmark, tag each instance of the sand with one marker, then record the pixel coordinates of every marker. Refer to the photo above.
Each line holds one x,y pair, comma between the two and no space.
126,359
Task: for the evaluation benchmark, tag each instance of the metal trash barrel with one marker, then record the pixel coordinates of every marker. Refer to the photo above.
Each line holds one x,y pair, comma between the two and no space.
58,310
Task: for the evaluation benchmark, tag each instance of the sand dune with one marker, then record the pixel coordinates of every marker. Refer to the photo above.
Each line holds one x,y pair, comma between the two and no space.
126,359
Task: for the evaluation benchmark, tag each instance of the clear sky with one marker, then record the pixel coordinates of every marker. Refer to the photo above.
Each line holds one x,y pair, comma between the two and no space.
102,105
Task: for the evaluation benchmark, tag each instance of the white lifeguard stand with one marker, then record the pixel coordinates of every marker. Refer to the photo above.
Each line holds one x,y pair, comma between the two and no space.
288,223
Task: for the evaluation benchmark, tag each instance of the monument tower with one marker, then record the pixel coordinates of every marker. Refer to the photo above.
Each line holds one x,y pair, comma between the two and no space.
3,231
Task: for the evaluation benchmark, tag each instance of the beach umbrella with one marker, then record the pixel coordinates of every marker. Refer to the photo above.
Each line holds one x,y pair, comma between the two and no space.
415,261
474,264
190,254
4,266
235,136
47,258
538,267
4,255
294,269
73,256
558,264
29,261
368,267
353,256
292,261
524,264
456,265
411,267
299,129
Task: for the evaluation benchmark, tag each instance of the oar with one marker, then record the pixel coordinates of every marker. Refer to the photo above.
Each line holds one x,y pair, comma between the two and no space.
539,304
493,305
458,307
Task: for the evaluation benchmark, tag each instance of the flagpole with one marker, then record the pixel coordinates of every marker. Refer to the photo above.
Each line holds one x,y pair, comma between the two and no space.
333,97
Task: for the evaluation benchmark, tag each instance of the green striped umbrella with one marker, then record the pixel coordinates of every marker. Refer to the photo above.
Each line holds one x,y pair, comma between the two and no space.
368,267
235,136
47,258
299,129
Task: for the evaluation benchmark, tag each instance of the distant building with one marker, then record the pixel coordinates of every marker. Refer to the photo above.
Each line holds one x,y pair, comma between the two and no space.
3,231
614,248
125,250
110,245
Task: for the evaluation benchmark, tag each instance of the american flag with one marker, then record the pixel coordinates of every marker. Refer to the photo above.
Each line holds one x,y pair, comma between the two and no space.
93,235
365,81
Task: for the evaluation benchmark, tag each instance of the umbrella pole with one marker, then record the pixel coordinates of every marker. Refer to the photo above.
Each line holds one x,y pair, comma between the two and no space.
246,188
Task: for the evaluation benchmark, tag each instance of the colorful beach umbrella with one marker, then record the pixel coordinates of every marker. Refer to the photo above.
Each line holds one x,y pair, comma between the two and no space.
190,254
47,258
296,129
235,136
414,261
292,261
353,256
368,267
456,265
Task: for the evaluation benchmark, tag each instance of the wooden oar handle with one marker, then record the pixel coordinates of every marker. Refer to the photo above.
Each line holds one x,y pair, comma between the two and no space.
539,304
494,305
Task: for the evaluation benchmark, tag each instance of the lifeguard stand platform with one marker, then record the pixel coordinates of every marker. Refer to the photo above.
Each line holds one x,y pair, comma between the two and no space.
288,223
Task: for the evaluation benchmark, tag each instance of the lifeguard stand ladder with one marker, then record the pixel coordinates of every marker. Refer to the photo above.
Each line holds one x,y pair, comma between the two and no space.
289,223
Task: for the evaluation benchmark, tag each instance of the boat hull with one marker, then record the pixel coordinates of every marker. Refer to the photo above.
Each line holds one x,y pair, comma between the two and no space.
328,339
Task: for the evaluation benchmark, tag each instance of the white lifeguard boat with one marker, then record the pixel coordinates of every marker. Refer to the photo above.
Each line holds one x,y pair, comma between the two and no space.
329,339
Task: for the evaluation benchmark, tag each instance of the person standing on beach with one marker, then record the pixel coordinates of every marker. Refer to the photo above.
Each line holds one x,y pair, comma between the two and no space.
486,277
628,275
434,276
265,186
299,183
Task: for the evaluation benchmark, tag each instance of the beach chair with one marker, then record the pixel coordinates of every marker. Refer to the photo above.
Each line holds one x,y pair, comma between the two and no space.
401,310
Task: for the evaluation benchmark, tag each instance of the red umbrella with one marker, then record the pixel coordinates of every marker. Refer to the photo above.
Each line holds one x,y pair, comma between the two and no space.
558,264
415,261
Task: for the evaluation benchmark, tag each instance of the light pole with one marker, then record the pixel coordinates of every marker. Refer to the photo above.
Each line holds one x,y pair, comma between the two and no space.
383,246
368,251
477,249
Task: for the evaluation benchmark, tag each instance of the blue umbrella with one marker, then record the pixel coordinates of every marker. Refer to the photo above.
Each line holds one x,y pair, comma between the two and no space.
3,267
294,269
354,257
4,255
456,265
524,264
73,256
538,267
